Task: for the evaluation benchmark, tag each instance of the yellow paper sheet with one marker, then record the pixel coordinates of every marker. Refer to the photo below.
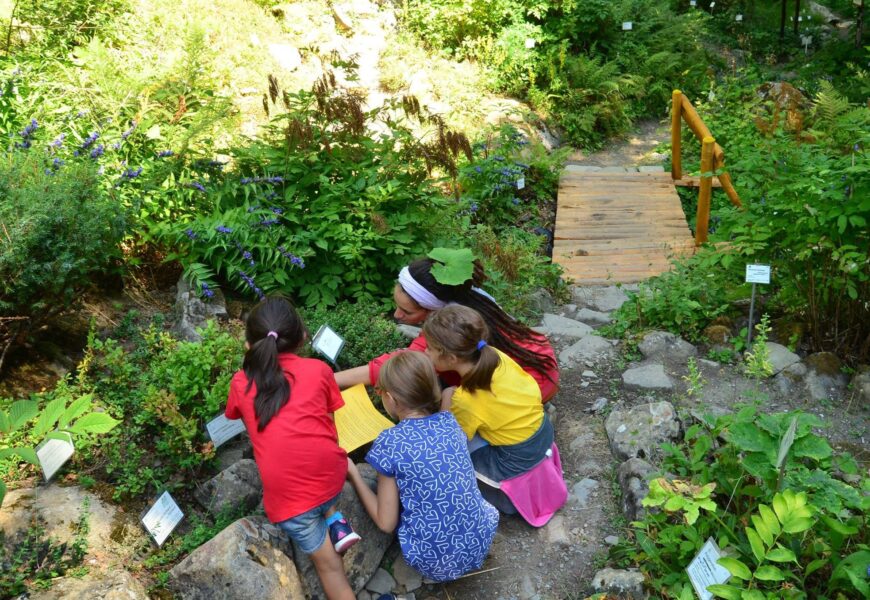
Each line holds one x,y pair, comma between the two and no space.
358,421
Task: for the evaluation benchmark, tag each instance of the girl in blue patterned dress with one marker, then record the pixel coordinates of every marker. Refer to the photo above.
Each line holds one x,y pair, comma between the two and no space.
426,484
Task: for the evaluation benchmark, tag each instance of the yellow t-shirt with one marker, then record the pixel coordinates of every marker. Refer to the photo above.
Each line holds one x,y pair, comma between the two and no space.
510,413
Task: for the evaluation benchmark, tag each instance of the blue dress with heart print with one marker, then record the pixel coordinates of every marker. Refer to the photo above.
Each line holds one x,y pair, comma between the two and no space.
445,526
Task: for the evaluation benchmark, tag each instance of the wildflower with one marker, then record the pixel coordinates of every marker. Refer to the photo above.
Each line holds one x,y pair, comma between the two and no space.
206,291
89,141
246,180
253,208
57,163
294,260
81,114
522,165
101,170
196,185
473,207
498,158
277,211
478,169
223,229
251,284
130,131
58,141
165,153
856,147
98,151
269,222
132,173
516,201
29,130
190,233
248,257
116,146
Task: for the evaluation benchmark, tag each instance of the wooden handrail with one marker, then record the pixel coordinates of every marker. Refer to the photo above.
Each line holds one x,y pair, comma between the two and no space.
712,159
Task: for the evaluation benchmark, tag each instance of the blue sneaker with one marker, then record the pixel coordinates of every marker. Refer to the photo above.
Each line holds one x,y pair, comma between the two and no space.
341,534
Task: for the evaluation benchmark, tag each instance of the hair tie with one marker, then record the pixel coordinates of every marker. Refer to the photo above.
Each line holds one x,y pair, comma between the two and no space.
273,334
480,345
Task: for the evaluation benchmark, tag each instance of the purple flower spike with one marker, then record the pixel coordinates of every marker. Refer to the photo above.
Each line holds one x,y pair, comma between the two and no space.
222,229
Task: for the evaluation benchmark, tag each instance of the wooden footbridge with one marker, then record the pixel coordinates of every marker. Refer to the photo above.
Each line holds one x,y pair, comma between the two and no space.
623,225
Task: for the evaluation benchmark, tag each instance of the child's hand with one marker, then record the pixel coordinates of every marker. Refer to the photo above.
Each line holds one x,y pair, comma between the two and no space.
447,397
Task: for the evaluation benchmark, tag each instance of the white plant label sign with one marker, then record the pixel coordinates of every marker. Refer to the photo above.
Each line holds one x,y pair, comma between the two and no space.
738,18
693,3
704,570
327,342
53,454
220,429
521,183
163,516
627,25
758,274
530,43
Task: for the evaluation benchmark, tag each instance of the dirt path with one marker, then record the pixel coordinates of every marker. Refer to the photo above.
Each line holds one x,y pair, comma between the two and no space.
637,148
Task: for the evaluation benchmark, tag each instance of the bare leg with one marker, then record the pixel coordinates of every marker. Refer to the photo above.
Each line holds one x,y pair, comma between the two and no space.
330,569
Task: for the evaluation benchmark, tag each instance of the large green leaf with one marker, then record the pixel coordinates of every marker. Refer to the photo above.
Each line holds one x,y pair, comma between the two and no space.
853,569
762,530
48,417
769,573
813,447
5,423
781,554
74,411
27,454
735,567
769,518
786,443
456,266
749,438
756,544
841,528
21,412
94,423
752,595
729,592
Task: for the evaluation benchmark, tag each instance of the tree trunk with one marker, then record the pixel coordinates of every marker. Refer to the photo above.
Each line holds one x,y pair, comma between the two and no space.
782,22
797,15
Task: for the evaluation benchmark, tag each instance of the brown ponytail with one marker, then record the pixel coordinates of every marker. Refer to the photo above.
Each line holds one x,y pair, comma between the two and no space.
462,332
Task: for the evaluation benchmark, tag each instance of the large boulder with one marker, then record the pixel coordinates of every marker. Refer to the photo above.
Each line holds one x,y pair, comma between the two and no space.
194,311
248,559
634,475
364,558
237,485
825,379
650,376
563,327
590,350
639,431
780,357
665,347
113,584
600,298
861,386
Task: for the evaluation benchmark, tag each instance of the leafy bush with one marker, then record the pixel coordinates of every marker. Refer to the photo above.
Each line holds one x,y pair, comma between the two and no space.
320,209
769,498
366,331
60,229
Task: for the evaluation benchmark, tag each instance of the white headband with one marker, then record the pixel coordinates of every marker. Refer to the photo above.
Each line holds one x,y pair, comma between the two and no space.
417,292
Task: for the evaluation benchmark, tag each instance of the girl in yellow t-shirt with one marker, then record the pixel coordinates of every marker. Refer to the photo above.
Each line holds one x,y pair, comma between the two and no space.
497,404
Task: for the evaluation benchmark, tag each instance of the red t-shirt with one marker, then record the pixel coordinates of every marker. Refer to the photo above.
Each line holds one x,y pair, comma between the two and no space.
298,456
549,385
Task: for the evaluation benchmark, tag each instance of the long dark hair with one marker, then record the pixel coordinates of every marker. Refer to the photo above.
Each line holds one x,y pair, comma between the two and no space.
272,327
459,330
410,378
503,328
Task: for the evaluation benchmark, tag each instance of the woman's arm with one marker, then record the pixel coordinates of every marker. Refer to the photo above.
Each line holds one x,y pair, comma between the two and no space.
351,377
383,508
447,398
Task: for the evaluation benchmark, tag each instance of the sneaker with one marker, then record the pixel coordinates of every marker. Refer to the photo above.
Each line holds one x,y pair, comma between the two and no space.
341,534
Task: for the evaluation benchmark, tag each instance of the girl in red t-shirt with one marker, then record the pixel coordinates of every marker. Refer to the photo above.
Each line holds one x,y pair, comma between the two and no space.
287,404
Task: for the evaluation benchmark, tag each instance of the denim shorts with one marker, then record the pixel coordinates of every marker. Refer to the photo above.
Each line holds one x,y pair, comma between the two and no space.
309,529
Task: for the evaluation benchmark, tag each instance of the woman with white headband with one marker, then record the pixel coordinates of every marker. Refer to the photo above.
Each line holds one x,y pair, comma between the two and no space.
418,293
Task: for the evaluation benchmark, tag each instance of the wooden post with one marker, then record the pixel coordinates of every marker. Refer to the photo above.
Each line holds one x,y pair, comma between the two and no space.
676,126
797,14
702,218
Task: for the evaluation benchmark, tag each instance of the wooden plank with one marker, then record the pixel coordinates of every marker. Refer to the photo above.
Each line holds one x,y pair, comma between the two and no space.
695,182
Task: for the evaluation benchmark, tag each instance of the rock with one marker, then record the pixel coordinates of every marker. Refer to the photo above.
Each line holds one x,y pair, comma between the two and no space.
651,169
552,413
633,476
582,491
112,584
238,485
624,583
663,346
550,139
407,577
600,298
588,374
554,325
639,431
588,350
555,533
194,312
598,405
409,331
611,540
381,582
790,380
287,57
541,301
650,376
364,557
593,317
234,450
825,379
581,168
780,357
242,561
861,387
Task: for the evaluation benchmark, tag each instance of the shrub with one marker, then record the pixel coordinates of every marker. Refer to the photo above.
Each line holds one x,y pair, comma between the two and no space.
320,209
60,229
